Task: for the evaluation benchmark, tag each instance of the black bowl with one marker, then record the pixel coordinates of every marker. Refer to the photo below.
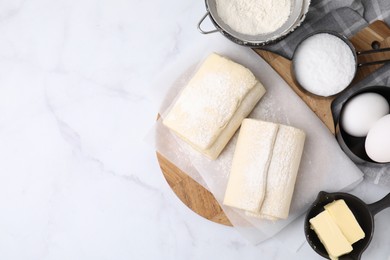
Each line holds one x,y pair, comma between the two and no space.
363,213
353,146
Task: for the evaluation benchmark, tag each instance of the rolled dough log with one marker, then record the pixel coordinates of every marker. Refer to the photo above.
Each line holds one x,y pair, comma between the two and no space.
284,148
213,104
248,178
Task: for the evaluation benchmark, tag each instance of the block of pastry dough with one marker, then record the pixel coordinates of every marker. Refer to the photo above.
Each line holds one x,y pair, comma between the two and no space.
213,104
283,150
282,172
252,156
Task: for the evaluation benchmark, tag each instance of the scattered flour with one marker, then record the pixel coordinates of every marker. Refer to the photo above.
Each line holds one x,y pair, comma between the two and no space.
324,64
254,17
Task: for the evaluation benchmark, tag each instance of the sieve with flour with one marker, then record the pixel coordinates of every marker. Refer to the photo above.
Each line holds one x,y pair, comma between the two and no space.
297,14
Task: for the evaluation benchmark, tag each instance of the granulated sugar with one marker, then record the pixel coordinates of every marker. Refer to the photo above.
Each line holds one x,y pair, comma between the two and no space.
254,17
324,64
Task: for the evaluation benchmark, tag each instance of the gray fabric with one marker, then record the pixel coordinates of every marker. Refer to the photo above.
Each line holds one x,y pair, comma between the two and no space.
380,77
343,16
376,10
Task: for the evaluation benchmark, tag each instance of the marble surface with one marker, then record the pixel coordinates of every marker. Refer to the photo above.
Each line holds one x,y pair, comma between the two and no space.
77,179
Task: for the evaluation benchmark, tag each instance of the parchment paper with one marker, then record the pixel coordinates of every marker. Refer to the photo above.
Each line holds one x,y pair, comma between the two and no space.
323,167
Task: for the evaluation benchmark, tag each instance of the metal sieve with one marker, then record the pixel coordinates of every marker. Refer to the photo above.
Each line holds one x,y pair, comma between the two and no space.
299,9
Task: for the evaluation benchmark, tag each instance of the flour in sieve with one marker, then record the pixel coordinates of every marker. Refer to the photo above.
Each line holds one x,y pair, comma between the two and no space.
254,17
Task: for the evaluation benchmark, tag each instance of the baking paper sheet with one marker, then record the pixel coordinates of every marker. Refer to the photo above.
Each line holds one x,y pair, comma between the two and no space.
323,167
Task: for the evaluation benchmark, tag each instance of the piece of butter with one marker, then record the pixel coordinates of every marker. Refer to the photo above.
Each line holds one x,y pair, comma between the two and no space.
346,221
330,235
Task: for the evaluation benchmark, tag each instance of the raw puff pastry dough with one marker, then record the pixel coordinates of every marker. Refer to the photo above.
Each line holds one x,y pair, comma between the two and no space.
264,169
253,154
213,104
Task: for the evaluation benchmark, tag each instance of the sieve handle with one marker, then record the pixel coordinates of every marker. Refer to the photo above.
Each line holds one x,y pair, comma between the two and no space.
200,23
373,62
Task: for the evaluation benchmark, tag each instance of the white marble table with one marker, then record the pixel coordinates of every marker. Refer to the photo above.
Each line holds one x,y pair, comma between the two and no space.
77,180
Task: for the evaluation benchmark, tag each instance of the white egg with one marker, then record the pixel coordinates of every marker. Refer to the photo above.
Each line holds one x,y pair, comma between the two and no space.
361,112
378,141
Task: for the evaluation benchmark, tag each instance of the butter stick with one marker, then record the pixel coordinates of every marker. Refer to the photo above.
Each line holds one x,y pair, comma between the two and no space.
330,235
346,221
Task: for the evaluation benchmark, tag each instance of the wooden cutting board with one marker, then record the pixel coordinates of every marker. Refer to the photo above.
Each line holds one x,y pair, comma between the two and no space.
200,200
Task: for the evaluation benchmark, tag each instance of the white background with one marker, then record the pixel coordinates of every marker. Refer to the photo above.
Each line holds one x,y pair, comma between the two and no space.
77,180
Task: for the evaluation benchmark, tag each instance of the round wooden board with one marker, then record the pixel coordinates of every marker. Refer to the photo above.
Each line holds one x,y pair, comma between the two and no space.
192,194
200,200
